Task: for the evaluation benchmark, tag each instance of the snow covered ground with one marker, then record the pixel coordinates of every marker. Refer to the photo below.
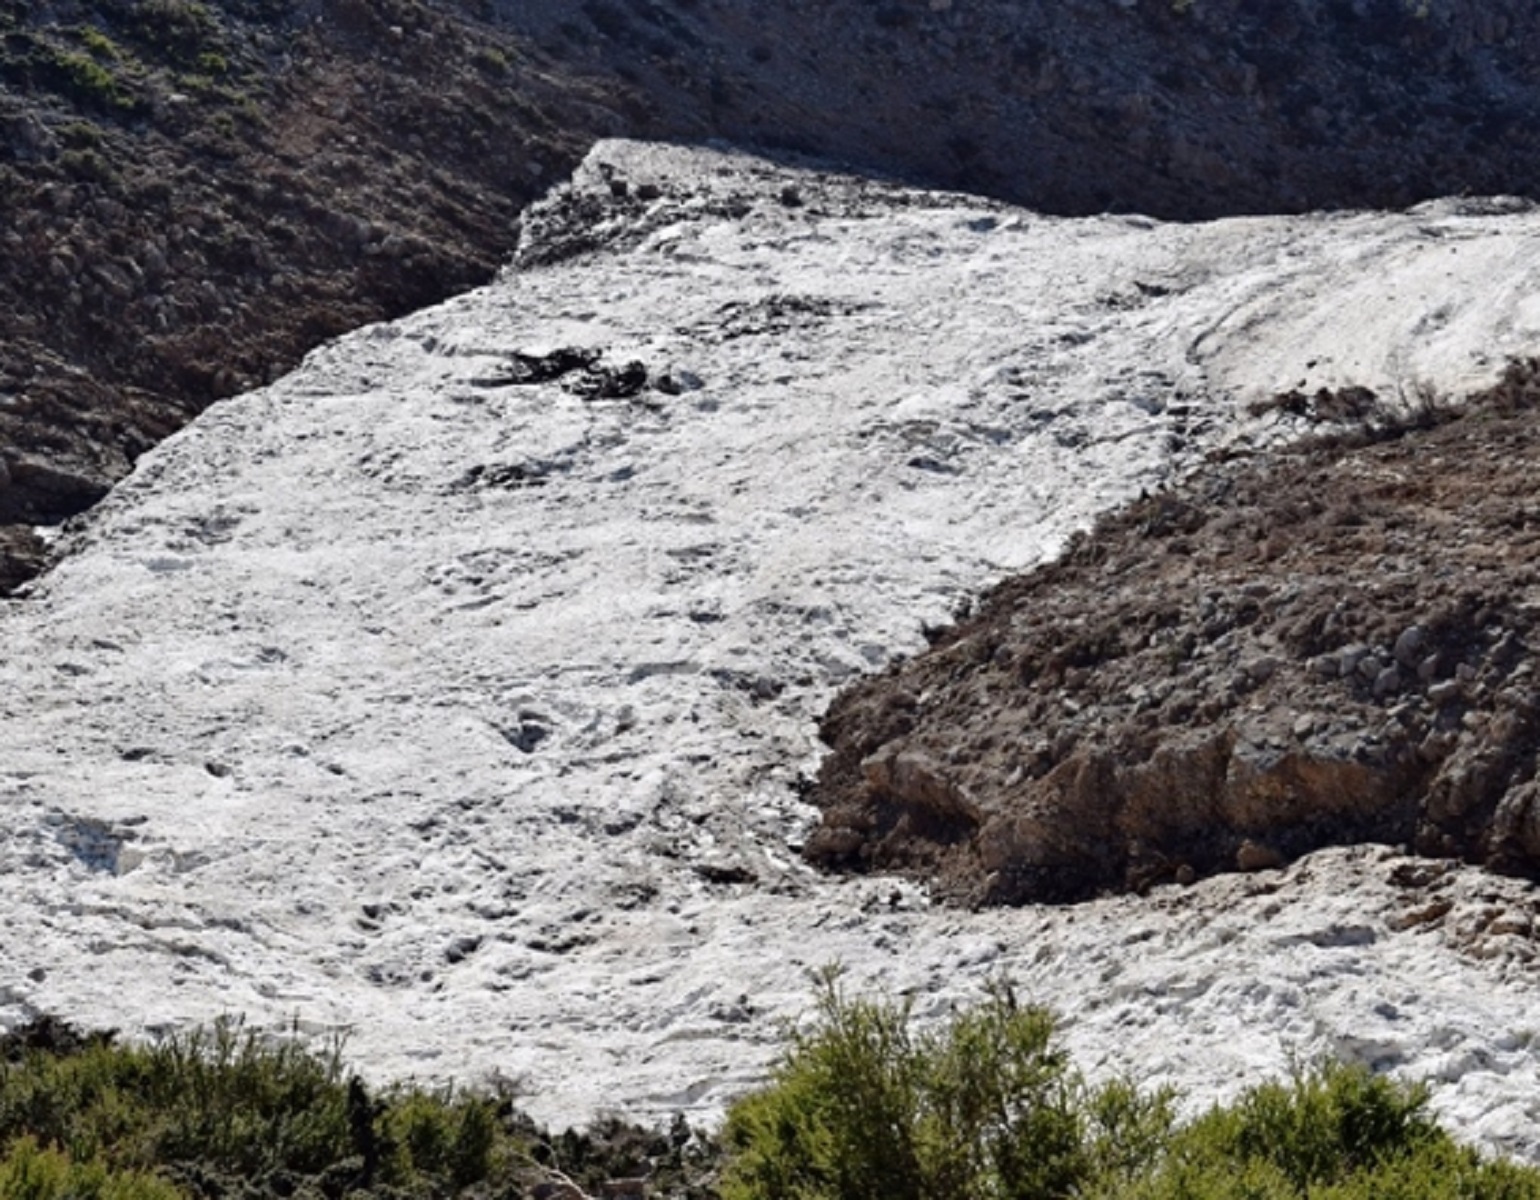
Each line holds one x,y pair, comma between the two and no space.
466,714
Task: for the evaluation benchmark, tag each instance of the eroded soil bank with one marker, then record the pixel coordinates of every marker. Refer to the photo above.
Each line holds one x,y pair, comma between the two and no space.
1331,646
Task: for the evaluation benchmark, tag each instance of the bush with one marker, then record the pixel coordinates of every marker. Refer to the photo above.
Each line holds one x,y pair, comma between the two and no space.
442,1136
231,1103
863,1107
1333,1132
28,1172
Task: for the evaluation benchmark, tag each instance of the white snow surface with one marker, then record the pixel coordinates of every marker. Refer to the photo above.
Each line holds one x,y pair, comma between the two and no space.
498,771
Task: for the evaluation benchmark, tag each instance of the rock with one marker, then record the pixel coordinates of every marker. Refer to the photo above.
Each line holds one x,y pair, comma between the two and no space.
1445,692
22,555
1350,658
1409,646
43,490
1257,856
1261,669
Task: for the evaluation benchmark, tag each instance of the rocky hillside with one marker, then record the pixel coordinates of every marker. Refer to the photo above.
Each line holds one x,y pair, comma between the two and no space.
195,192
1334,645
457,691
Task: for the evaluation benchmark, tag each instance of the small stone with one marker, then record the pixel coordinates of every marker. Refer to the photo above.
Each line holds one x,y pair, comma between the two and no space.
1444,692
1427,670
1349,658
462,948
676,381
1257,856
1185,875
1262,669
1409,646
1387,682
1304,726
1437,746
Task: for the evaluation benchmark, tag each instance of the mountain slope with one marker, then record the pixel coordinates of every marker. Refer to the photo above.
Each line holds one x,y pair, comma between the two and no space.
459,689
195,192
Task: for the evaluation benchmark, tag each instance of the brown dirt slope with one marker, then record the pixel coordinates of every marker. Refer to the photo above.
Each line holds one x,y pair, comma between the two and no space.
1334,645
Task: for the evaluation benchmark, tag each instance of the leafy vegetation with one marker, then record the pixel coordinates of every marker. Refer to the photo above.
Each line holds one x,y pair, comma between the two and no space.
228,1111
29,1172
866,1108
862,1106
230,1104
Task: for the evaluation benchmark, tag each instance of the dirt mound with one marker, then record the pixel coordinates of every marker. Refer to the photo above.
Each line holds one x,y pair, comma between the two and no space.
1335,645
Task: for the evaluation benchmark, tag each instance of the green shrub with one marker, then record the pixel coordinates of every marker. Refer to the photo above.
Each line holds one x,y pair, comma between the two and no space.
491,60
443,1136
241,1105
29,1172
1325,1124
864,1107
1333,1132
98,43
82,77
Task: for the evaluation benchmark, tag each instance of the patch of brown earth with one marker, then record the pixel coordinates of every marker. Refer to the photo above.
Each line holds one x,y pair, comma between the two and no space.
1335,645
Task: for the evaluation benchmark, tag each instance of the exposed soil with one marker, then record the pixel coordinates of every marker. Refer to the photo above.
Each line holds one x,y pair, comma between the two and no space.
1334,645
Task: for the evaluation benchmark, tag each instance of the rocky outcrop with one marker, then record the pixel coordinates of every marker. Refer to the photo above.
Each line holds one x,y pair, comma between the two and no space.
1333,647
